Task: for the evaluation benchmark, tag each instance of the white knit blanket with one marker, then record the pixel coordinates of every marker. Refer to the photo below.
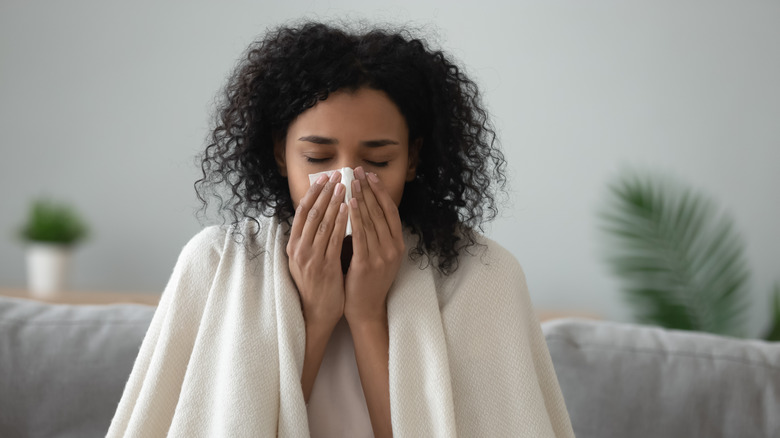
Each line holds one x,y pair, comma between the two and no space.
223,356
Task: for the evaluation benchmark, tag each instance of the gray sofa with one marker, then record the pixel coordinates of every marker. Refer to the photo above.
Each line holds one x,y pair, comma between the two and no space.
63,369
624,380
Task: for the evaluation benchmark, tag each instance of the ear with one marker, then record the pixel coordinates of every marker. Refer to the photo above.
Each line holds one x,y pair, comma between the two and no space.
279,155
414,159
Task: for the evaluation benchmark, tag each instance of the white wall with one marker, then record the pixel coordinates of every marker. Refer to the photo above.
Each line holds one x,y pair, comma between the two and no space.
105,105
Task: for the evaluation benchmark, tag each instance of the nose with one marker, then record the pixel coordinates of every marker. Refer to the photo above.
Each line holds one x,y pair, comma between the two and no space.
352,163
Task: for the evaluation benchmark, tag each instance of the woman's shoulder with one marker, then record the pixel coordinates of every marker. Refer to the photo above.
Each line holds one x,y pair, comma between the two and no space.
485,269
487,254
208,239
475,251
215,239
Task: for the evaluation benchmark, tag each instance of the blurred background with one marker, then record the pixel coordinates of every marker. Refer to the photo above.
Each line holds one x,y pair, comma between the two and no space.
105,105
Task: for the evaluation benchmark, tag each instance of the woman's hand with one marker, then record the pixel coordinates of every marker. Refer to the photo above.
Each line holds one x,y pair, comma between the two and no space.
314,251
378,249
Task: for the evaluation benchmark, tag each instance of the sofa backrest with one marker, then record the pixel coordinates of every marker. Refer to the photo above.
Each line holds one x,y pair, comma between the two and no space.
625,380
63,368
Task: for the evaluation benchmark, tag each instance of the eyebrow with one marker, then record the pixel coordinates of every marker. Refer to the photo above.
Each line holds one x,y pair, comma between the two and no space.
329,141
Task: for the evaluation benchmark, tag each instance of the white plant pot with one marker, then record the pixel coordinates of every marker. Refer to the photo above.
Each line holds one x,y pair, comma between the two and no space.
47,269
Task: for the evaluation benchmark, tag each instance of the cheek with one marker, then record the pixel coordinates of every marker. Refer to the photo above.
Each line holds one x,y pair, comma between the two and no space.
397,195
395,187
299,185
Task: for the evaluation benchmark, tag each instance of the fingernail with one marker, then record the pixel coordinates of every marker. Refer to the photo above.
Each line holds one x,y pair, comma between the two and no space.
321,179
360,173
353,203
356,185
339,188
334,177
373,178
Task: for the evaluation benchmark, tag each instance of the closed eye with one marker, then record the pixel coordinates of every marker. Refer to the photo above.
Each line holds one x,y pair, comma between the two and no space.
316,160
377,163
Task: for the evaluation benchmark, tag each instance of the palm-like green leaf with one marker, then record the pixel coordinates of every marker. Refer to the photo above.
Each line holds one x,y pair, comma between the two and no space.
774,330
678,258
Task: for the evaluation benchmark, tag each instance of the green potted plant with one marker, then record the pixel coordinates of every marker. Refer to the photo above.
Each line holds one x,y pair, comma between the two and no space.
50,231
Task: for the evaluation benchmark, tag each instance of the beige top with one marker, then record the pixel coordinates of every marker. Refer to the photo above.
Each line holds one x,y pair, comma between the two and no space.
337,406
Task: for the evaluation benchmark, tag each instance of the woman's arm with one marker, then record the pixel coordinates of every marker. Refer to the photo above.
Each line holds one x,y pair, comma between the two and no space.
371,352
313,250
317,336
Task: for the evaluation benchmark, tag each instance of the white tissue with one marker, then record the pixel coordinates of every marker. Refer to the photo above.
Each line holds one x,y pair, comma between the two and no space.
347,176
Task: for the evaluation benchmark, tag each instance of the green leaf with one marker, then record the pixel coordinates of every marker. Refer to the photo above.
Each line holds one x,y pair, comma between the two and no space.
51,222
774,331
678,258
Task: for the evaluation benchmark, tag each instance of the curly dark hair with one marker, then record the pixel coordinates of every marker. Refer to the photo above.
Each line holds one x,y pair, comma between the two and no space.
460,167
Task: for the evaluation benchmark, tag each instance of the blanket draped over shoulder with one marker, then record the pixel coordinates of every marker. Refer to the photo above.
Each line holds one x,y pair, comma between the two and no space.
224,353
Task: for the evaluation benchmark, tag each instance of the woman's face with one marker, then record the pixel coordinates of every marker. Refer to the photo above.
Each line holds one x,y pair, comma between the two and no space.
348,129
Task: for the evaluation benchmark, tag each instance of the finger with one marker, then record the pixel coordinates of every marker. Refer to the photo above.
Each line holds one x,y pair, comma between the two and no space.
317,211
359,248
387,204
359,193
326,227
374,209
337,237
304,205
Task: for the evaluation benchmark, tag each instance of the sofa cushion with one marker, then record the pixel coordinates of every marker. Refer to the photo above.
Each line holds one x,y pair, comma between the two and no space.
624,380
63,367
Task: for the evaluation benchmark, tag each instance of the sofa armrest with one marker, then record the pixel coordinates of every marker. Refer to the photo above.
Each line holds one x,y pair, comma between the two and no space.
626,380
63,368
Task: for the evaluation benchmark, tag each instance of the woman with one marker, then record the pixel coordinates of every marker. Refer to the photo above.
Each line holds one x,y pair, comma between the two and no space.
278,325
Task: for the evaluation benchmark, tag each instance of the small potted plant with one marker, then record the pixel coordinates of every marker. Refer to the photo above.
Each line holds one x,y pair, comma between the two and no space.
51,231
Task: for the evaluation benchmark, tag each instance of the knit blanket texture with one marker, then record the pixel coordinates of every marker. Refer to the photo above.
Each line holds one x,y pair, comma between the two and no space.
224,353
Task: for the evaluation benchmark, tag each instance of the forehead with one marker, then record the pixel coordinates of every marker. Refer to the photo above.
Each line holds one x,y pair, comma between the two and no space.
360,113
